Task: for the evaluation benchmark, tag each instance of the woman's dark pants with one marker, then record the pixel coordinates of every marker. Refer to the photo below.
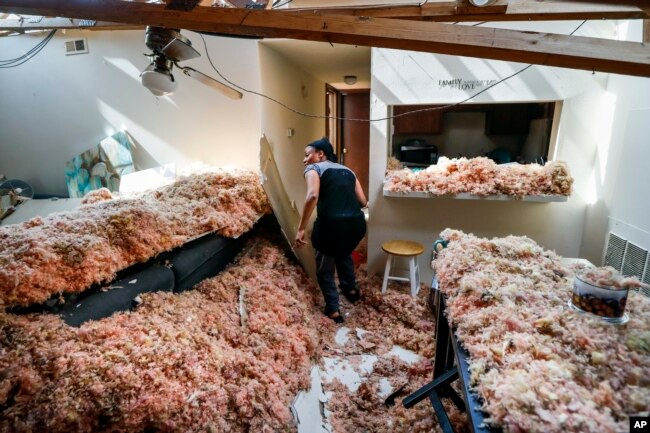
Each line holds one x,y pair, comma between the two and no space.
325,266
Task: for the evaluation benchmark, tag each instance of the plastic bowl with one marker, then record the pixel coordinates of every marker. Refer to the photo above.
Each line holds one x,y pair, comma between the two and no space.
606,302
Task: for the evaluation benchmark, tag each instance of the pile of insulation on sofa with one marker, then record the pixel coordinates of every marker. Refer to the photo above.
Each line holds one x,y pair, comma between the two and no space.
536,363
69,251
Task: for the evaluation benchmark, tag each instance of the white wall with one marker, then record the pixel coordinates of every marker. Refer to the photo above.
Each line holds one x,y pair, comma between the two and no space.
286,82
617,120
401,77
56,106
620,180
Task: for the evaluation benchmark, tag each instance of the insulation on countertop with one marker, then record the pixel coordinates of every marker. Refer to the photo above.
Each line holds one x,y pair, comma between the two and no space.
483,177
538,365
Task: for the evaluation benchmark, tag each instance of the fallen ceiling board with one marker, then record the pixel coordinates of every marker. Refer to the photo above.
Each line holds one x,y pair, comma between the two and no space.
287,215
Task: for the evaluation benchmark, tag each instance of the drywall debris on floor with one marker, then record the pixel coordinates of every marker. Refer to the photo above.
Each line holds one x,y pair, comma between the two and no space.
310,407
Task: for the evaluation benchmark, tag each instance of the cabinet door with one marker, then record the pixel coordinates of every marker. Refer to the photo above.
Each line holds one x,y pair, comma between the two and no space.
420,122
508,119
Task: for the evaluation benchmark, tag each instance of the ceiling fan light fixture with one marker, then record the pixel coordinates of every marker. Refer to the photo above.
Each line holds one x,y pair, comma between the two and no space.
159,83
168,48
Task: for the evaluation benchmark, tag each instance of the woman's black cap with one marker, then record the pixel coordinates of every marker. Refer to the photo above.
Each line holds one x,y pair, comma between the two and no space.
324,145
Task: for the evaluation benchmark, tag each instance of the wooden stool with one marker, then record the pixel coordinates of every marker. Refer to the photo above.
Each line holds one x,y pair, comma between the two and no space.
408,249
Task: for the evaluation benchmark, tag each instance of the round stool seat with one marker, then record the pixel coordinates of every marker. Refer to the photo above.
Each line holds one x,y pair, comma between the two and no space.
403,248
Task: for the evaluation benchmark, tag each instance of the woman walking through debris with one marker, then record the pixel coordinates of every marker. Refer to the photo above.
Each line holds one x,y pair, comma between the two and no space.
340,223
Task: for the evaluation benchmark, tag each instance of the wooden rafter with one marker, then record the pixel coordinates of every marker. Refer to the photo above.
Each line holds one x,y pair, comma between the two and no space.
514,10
528,47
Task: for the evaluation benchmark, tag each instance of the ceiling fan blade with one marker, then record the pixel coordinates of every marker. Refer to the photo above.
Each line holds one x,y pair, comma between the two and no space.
179,50
209,81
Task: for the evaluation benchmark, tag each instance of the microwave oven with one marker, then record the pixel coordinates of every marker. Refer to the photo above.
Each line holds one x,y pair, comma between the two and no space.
418,154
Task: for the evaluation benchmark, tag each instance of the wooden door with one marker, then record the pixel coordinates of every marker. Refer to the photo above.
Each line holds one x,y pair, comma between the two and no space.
355,135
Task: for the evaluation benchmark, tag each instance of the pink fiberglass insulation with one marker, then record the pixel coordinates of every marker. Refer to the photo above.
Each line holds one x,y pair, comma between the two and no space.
184,362
70,251
178,363
609,277
538,365
97,195
394,318
482,176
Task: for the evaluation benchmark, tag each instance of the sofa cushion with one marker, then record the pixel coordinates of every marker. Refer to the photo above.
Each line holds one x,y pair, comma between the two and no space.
120,296
191,256
212,266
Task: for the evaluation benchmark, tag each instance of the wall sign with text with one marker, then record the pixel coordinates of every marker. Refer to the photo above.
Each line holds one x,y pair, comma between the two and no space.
461,84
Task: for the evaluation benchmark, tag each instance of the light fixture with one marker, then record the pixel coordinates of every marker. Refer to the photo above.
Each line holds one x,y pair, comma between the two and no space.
158,77
350,79
159,83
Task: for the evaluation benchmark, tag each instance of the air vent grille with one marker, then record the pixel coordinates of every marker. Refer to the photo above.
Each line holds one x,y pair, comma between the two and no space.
634,261
629,259
615,251
76,46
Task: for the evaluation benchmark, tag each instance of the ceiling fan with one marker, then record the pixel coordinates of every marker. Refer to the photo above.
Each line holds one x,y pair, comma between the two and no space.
168,47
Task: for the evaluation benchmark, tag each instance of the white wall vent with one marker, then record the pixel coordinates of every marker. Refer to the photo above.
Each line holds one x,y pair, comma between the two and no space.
634,260
76,46
615,251
628,259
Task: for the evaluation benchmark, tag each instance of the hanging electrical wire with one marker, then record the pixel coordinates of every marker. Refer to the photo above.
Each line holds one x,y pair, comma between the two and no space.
12,63
441,107
280,5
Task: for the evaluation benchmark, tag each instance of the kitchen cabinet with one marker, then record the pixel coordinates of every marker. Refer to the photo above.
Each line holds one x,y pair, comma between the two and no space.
507,119
422,122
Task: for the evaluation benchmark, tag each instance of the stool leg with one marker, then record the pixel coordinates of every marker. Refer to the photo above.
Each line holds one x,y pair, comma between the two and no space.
417,276
389,262
413,272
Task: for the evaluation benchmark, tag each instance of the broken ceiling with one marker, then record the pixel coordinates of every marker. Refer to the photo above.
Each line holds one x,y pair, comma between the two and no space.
425,26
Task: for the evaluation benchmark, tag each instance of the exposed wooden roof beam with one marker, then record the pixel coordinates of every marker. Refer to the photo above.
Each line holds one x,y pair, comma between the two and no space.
528,47
514,10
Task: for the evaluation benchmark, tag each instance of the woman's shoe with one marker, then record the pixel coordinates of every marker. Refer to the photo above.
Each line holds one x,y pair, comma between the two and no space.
352,295
336,316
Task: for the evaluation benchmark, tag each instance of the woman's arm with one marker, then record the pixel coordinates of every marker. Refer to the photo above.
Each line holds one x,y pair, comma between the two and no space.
360,195
313,187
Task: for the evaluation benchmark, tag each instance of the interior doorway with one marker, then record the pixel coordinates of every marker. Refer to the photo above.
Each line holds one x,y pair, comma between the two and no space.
352,137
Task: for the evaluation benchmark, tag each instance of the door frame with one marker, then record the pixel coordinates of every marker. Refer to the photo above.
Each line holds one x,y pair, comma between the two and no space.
333,126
